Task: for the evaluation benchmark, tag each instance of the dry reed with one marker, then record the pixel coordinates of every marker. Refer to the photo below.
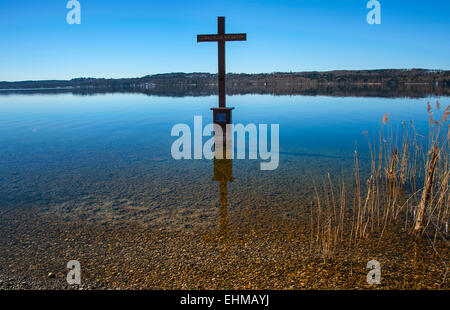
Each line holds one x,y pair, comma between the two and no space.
413,185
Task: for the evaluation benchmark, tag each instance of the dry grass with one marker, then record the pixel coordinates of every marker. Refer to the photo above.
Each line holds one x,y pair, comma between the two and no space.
408,182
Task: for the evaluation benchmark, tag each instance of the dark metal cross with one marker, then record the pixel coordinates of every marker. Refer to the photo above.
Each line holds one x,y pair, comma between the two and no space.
221,37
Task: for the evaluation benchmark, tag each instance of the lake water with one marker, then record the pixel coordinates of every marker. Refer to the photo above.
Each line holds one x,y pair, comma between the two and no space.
92,178
107,157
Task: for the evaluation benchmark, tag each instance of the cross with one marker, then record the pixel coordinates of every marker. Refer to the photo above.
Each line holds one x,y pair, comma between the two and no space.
221,37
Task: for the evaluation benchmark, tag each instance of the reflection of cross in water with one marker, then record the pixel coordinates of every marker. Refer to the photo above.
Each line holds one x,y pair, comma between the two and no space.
223,172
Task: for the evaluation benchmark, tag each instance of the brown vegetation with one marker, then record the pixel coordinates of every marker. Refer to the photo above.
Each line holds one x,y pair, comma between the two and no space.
408,182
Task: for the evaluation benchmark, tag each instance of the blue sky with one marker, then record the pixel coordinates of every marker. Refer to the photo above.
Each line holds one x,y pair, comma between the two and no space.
132,38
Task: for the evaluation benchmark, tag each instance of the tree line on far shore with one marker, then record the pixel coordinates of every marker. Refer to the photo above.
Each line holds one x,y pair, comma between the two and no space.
385,83
383,76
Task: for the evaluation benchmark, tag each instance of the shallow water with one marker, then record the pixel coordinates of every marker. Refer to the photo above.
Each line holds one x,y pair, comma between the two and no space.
91,178
107,157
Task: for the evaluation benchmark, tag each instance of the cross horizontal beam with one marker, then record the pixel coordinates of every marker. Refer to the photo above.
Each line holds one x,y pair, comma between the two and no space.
222,37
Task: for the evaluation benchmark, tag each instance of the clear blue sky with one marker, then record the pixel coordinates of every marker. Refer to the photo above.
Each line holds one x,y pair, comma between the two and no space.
132,38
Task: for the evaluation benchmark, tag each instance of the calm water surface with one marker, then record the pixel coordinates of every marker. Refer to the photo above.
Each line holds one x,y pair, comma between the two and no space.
107,157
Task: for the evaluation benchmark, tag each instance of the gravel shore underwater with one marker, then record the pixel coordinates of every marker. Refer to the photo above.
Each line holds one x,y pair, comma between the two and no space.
256,252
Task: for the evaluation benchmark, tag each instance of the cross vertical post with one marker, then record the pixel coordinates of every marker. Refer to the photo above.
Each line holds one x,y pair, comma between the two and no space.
221,62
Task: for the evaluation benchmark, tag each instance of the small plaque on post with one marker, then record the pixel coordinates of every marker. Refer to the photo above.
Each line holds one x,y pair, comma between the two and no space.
221,117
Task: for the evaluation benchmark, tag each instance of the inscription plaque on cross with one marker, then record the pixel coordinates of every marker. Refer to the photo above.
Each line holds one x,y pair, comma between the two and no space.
221,37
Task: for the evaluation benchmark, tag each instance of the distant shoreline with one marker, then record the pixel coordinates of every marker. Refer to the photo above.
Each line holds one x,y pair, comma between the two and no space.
36,88
413,83
358,84
353,77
